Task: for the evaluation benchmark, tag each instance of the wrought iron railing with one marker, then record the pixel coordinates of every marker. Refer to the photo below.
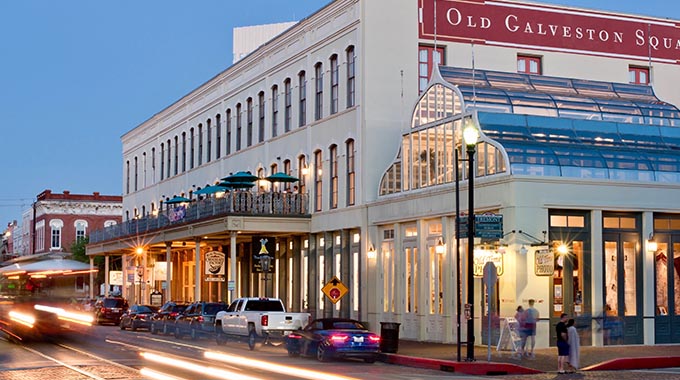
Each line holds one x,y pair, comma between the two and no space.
232,203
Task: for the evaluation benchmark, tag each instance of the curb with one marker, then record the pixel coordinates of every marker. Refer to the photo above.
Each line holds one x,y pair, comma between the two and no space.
468,368
636,363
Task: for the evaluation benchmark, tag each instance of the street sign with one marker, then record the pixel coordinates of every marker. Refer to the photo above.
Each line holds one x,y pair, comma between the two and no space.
334,289
487,226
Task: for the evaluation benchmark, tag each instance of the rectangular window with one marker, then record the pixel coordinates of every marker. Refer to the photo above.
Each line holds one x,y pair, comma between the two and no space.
209,138
176,166
136,175
334,176
260,114
218,137
200,144
318,106
169,158
127,176
275,110
303,99
334,84
302,171
249,122
228,142
428,57
318,185
350,77
239,118
56,238
288,112
153,165
529,64
80,235
184,151
351,175
192,152
162,163
638,75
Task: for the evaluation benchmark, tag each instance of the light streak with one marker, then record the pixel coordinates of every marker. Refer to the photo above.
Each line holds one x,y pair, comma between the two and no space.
81,318
273,367
203,370
157,375
24,319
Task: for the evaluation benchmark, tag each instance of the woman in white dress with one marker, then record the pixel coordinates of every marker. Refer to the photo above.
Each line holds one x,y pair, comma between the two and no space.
574,345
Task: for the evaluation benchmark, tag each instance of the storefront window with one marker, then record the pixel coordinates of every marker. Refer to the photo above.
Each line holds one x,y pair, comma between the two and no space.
629,281
611,274
387,252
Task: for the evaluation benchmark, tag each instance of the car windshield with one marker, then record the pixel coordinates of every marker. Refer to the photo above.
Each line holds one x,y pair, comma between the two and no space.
178,308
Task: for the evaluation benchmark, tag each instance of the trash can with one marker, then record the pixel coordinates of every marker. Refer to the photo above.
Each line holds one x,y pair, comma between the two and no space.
389,337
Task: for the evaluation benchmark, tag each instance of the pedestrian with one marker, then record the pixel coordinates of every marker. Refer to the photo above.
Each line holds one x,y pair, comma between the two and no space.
562,343
531,316
519,316
574,345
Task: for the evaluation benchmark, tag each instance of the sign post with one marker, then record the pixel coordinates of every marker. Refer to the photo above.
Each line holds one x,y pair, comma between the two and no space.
490,278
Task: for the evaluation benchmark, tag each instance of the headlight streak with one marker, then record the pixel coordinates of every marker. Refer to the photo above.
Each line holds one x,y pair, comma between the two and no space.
203,370
273,367
81,318
157,375
21,318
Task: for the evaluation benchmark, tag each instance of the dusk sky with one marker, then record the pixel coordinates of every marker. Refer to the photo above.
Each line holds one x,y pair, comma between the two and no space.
78,74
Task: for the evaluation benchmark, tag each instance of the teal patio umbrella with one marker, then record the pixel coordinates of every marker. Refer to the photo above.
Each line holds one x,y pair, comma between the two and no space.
212,189
240,177
177,199
282,177
237,184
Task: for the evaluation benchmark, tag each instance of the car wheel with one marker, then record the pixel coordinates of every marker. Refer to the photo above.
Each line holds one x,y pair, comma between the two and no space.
369,360
178,332
321,354
252,340
133,326
122,325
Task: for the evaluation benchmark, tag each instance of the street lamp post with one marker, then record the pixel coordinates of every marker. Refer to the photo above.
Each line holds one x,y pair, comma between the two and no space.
470,137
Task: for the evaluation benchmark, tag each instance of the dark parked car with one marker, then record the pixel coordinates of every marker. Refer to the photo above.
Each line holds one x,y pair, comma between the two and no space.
109,310
328,338
164,319
198,319
137,317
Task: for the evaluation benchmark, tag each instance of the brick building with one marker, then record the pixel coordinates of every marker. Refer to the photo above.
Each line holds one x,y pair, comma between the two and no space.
56,221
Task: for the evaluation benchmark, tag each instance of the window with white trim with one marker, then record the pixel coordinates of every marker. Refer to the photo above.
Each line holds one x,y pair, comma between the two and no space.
528,64
81,229
56,226
638,75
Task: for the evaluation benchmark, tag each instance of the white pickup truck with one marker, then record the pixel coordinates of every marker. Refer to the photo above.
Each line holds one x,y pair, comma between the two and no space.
257,319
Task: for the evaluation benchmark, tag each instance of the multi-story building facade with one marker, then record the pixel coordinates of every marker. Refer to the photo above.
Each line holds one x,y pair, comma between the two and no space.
579,140
59,220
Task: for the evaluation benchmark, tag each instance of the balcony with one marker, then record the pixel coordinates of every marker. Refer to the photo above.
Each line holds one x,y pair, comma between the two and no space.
233,203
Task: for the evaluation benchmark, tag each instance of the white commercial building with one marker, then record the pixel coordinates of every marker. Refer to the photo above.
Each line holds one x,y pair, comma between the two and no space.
579,141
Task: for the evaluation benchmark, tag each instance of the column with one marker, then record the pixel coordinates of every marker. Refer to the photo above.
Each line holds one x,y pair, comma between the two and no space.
92,277
232,266
106,276
197,273
168,271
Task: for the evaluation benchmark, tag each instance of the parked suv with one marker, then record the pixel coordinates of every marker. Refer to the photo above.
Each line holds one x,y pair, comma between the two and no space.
109,310
163,320
198,319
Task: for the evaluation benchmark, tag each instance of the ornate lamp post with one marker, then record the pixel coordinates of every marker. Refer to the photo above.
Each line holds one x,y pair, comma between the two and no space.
470,137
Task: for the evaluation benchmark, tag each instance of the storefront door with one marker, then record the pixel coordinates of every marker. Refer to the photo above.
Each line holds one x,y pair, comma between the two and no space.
622,319
667,285
410,324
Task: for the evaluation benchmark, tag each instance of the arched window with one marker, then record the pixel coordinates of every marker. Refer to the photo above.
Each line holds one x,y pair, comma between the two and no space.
249,122
275,110
288,108
334,84
351,175
81,229
238,127
228,142
302,98
56,225
350,77
218,136
200,144
162,161
318,80
191,148
333,157
318,180
208,150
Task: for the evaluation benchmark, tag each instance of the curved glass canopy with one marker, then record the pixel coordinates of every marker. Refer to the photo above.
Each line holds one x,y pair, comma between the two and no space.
538,125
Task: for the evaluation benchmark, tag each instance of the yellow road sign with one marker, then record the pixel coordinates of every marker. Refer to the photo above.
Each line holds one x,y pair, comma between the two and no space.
334,289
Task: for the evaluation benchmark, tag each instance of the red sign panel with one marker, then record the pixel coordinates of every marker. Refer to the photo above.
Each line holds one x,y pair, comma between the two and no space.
545,27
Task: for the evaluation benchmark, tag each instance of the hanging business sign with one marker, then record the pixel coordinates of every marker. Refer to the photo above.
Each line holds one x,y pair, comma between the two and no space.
544,264
214,263
483,256
263,249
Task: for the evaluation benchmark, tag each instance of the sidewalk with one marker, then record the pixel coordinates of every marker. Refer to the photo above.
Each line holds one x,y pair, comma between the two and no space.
444,357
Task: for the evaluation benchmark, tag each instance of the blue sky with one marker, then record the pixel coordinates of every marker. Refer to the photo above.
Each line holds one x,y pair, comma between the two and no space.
75,75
